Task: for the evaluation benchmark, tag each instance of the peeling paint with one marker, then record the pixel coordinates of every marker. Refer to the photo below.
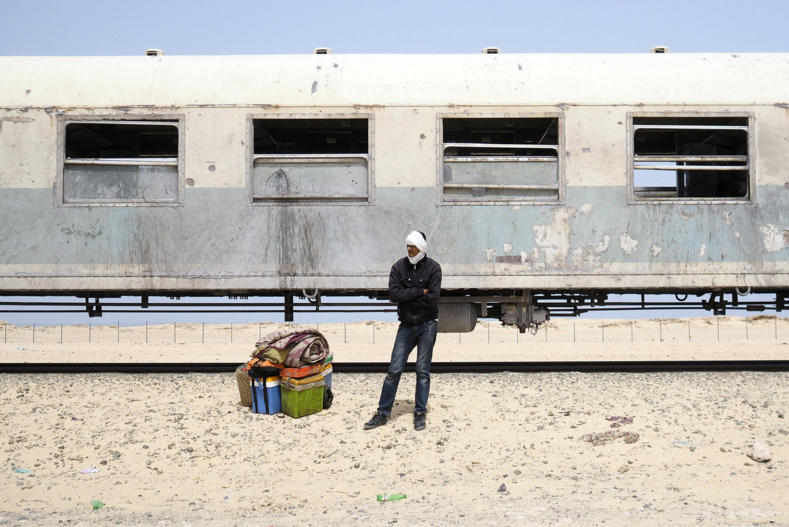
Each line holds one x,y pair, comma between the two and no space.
513,259
525,257
685,215
627,244
516,207
586,209
589,255
774,238
490,254
555,237
507,248
703,250
16,119
656,250
737,234
314,87
727,217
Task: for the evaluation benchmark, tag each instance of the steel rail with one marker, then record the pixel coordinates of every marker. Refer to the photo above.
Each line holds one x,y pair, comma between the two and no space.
186,311
240,303
436,367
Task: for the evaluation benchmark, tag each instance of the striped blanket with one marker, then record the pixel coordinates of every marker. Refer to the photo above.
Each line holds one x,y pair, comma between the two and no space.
295,347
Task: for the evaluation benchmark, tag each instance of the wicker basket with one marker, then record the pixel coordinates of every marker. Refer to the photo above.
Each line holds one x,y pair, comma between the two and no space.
244,386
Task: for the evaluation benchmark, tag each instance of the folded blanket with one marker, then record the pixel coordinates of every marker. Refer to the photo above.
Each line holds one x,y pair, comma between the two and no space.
295,347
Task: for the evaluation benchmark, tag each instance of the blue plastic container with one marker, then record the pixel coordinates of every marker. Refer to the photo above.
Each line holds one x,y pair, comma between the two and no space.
266,396
327,371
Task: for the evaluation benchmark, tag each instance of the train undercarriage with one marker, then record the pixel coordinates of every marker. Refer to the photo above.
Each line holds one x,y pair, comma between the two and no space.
458,310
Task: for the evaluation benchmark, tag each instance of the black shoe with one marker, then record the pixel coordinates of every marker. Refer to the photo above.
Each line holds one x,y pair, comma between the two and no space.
378,419
419,421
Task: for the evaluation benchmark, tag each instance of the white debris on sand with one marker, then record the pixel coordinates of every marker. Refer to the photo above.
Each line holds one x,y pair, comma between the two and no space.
759,452
179,449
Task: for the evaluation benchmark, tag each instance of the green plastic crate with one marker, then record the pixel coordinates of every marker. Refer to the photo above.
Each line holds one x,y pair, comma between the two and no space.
301,400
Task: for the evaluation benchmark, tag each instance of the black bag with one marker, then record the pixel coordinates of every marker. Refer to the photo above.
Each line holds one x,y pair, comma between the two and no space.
264,372
328,398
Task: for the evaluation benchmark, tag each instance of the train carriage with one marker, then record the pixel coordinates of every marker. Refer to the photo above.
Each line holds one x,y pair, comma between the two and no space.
543,183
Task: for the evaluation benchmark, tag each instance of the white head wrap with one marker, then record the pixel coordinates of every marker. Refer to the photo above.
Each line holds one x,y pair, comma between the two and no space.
417,240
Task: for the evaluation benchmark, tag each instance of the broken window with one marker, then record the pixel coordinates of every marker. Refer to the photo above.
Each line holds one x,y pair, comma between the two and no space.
308,160
500,159
121,162
690,157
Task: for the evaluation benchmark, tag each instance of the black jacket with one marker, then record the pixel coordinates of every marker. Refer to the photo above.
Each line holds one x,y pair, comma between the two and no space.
406,287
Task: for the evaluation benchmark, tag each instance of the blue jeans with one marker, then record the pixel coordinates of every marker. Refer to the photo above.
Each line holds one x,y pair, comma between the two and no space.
423,337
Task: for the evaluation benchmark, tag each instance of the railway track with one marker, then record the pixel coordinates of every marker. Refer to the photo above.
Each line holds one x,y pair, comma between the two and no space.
437,367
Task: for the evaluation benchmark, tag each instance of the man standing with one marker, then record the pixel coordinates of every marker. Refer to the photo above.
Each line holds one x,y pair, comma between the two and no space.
415,284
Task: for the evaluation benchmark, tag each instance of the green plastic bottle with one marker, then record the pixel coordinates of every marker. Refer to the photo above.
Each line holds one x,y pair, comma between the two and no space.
391,497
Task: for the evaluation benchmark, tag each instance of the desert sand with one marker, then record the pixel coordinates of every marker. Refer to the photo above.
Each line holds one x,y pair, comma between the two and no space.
758,337
499,449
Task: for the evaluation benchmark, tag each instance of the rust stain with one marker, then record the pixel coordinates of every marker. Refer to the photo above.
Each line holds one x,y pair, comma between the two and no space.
17,119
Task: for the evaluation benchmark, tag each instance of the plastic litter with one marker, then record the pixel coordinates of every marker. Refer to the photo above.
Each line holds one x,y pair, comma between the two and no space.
89,470
96,504
391,497
604,438
619,420
22,471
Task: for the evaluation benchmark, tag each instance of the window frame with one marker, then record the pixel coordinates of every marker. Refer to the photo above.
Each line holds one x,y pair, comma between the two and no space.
440,148
293,158
750,167
176,120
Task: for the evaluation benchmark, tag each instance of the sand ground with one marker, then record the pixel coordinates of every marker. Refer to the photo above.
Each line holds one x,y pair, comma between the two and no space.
759,337
180,449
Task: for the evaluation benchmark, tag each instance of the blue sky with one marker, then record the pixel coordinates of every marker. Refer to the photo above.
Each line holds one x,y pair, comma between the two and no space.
199,27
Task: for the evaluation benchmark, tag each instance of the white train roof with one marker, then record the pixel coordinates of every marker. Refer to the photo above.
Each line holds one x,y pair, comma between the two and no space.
396,80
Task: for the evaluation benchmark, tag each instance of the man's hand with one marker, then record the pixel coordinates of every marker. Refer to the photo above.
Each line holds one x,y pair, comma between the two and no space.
425,291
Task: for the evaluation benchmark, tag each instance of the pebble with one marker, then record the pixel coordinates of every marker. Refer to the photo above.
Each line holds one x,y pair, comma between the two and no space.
759,452
503,488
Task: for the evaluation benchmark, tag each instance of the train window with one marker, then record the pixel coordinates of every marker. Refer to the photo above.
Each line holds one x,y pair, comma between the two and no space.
500,159
121,162
310,160
690,158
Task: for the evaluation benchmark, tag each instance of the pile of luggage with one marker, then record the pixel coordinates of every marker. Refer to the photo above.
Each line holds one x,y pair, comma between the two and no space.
290,372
